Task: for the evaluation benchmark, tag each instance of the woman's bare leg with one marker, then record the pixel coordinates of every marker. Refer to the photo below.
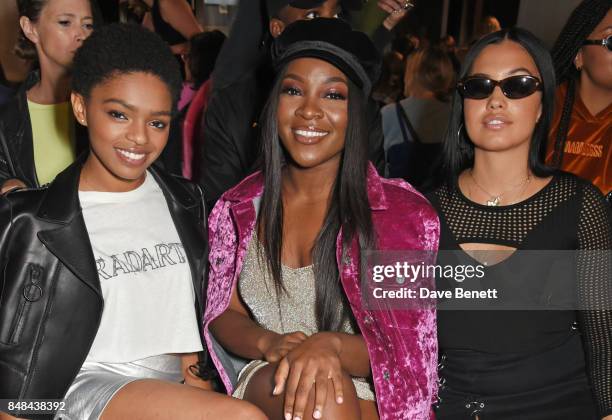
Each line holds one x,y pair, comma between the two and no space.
152,399
259,392
368,410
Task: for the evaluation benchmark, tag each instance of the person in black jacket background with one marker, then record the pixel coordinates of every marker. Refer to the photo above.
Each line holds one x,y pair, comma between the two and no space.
229,144
102,271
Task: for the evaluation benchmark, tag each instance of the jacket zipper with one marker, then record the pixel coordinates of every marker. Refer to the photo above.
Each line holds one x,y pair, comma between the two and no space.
31,293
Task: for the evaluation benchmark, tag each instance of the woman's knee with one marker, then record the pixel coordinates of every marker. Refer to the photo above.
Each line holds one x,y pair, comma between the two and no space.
259,391
211,405
261,383
349,409
246,410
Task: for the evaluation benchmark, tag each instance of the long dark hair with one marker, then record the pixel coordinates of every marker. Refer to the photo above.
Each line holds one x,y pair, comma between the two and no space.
349,207
459,149
578,27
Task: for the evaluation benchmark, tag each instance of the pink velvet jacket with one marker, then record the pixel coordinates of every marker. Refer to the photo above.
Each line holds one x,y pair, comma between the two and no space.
402,344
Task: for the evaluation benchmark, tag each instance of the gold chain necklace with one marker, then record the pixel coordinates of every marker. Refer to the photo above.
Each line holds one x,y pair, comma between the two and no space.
495,199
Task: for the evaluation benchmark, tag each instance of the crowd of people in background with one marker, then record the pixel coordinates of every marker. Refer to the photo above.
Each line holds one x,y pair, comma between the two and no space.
189,209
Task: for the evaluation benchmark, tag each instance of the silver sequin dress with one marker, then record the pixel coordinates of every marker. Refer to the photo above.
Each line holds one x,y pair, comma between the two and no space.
294,311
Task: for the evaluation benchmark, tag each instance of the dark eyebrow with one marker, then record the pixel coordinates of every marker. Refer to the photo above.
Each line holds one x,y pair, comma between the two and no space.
132,108
294,77
332,79
72,15
162,113
511,72
336,79
120,102
518,70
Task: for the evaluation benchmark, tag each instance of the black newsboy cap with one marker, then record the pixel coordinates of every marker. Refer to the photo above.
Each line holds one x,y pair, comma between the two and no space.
334,41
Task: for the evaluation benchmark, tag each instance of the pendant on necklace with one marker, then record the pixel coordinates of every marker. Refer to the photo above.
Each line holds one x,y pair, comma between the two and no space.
494,202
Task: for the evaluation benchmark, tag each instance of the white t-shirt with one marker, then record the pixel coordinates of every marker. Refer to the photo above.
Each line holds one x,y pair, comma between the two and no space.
149,301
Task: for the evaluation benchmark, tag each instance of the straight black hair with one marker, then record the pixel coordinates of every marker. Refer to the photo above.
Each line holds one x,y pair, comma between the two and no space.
349,207
583,20
458,152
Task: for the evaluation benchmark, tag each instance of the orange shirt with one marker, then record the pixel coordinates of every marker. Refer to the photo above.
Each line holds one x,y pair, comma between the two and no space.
588,151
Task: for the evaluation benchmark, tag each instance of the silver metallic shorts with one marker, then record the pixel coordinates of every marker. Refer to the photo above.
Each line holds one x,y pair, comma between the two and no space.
96,383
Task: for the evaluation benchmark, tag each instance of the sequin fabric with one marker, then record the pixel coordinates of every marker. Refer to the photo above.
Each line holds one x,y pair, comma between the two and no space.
285,312
402,344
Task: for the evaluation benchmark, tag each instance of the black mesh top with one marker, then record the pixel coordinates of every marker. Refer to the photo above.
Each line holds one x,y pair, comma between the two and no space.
567,214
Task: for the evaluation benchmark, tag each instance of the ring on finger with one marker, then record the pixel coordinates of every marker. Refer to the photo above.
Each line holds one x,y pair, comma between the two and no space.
408,5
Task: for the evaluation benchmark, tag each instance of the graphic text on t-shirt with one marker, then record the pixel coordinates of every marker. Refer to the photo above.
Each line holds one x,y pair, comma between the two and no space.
145,259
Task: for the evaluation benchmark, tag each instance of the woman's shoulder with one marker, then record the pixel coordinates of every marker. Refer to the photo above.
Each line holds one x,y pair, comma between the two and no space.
248,189
401,196
584,191
564,182
395,188
408,221
192,187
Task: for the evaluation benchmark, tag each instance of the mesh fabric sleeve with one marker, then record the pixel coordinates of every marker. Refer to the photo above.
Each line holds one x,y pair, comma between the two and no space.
595,292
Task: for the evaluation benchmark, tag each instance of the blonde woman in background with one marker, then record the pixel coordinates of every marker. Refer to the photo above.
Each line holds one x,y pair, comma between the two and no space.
38,137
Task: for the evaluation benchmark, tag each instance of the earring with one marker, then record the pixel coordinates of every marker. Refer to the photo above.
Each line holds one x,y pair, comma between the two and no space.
459,131
578,67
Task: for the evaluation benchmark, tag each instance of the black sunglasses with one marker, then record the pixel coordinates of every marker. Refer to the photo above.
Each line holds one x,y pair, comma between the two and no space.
606,42
513,87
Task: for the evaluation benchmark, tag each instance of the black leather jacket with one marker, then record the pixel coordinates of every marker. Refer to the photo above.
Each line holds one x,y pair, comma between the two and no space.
16,143
50,297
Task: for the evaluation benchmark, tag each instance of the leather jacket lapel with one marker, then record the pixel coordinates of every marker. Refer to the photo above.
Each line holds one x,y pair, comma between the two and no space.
70,244
68,240
183,207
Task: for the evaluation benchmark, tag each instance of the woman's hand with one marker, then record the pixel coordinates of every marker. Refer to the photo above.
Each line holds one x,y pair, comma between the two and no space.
312,363
276,346
11,184
397,10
